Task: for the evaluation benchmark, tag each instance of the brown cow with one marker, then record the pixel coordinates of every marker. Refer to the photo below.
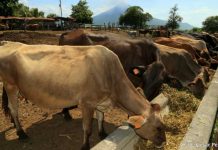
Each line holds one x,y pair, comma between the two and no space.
91,77
173,43
180,65
201,46
131,52
196,48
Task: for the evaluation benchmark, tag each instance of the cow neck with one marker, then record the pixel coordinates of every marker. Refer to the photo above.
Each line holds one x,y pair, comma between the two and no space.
130,100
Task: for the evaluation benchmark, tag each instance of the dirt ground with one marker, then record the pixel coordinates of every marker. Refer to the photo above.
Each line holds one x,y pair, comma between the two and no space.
47,129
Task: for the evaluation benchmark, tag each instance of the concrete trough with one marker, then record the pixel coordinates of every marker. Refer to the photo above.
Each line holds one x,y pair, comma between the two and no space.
124,137
197,137
200,129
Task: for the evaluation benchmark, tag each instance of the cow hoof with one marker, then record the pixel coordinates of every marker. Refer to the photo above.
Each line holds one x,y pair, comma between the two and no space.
22,135
85,147
102,135
66,114
67,117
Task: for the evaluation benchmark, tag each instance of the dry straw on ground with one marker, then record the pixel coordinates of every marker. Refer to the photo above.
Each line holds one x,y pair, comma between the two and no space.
182,105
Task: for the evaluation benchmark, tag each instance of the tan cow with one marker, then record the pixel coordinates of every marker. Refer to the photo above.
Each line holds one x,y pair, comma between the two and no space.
198,44
91,77
201,46
142,55
180,65
197,48
133,53
173,43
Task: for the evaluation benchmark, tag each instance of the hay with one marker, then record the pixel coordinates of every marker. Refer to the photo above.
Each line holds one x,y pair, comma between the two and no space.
182,105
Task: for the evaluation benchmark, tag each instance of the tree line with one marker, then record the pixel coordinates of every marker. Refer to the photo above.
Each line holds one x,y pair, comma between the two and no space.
134,16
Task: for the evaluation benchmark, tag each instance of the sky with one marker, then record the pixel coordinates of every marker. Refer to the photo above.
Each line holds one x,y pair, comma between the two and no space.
193,12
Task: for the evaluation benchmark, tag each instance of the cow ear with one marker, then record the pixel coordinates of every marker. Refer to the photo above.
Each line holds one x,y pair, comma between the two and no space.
136,121
138,70
156,107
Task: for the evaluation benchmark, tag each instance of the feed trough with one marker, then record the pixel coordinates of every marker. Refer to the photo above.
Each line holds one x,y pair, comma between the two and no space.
197,136
124,137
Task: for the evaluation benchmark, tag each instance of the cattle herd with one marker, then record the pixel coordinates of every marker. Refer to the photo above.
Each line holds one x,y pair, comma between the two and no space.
99,70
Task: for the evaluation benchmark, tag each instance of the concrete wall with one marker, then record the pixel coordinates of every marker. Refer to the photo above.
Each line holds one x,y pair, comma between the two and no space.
199,131
124,138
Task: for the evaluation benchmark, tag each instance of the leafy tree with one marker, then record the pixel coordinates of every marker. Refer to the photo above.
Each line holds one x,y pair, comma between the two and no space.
6,7
195,29
52,15
81,12
20,10
174,18
135,16
36,13
211,24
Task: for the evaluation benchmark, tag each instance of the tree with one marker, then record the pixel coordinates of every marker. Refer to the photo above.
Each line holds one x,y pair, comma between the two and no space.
174,18
211,24
135,16
36,13
52,15
195,29
6,7
81,12
20,10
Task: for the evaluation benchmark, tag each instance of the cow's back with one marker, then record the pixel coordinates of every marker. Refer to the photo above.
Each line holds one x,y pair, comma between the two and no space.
64,72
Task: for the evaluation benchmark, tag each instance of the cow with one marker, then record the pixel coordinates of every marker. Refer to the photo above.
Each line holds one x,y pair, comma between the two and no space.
210,40
211,43
180,65
152,76
195,53
131,52
173,43
91,77
200,46
145,31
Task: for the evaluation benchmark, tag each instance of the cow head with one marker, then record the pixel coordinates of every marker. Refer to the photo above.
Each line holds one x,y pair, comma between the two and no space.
152,77
151,128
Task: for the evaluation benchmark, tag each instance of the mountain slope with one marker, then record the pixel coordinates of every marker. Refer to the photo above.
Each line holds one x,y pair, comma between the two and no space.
111,15
114,13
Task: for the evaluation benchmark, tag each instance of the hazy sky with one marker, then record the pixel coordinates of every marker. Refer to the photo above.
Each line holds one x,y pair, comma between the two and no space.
192,11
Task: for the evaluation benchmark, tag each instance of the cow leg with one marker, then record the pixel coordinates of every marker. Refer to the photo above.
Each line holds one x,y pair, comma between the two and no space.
12,93
100,117
5,105
87,114
66,113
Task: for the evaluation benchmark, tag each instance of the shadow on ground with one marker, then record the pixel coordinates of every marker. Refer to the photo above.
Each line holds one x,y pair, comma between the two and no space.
53,134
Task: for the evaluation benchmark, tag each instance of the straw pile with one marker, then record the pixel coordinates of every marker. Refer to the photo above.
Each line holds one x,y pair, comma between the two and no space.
182,105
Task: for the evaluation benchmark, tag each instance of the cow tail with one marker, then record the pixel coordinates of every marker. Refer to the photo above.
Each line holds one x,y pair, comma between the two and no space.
5,107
